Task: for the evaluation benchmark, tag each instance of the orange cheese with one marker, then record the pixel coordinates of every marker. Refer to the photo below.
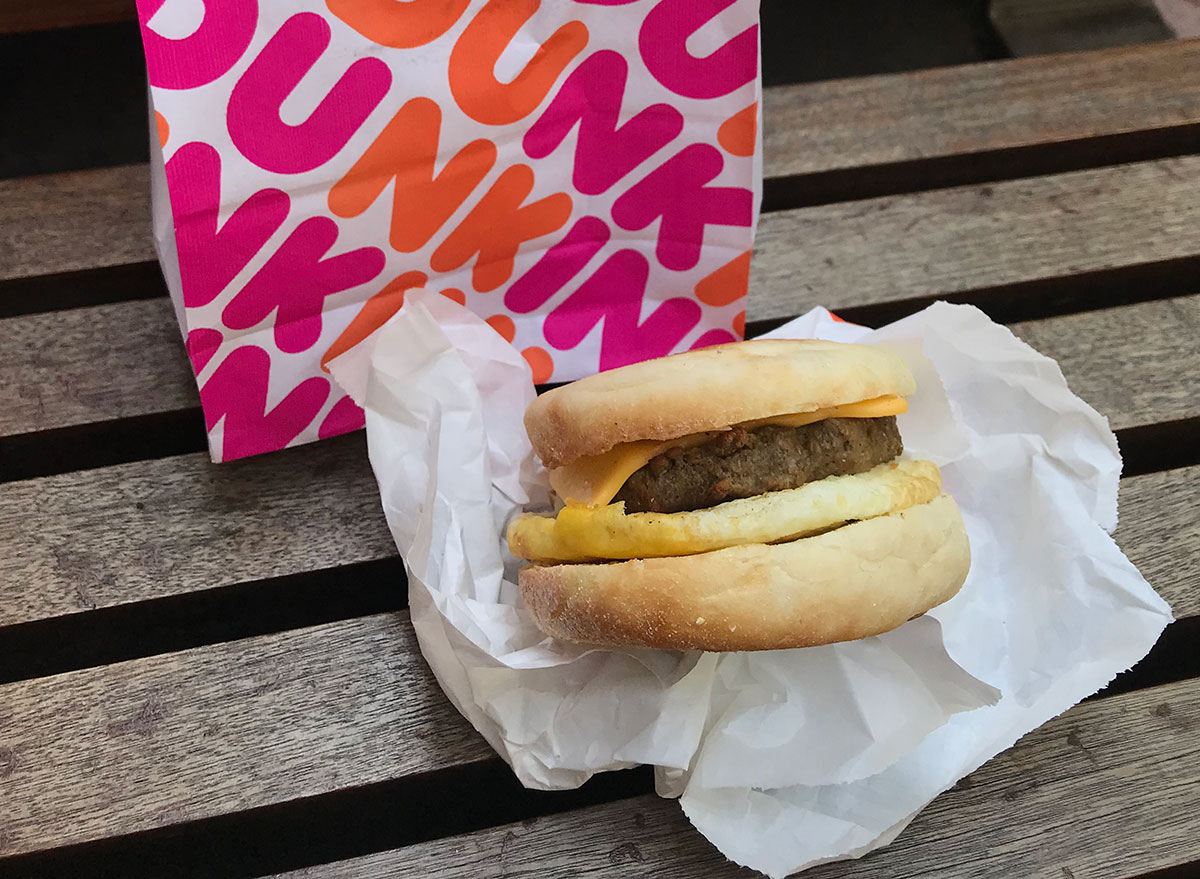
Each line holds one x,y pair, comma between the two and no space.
594,480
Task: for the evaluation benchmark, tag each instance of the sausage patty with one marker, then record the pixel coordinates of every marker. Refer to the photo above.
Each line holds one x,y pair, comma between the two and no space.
741,463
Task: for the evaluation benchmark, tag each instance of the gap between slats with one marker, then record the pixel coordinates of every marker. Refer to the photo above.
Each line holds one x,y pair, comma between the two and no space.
194,619
1182,871
81,289
1006,303
101,444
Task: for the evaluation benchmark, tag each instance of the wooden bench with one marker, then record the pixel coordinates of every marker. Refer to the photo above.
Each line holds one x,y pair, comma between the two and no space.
209,670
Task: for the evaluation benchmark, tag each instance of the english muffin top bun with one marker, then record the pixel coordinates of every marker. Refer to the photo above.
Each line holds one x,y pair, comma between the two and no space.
708,389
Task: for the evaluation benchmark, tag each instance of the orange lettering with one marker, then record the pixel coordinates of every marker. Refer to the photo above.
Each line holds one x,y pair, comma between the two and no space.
739,132
540,363
727,283
498,225
406,151
503,324
399,25
473,63
375,313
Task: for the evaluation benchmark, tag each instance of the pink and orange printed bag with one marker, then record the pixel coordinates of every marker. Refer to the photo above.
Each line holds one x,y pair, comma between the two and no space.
584,174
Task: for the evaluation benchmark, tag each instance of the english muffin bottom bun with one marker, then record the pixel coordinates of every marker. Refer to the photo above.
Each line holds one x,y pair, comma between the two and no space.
750,496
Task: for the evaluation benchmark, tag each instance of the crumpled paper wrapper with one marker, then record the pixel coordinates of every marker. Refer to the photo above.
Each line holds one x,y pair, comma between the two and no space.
783,759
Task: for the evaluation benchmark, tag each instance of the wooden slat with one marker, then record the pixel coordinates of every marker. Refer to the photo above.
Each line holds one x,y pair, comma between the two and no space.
205,732
1160,532
92,364
113,361
1111,788
133,532
972,237
992,106
1138,364
97,218
23,15
79,220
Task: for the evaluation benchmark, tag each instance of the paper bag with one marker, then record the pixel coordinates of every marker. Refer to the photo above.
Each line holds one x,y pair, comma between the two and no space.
583,175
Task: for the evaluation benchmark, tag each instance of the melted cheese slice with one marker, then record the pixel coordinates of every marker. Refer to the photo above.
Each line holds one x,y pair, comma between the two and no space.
594,480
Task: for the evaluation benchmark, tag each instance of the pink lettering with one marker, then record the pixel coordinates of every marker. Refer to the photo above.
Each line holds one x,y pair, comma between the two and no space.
209,259
296,280
591,97
223,35
237,393
663,43
713,337
614,295
201,345
253,114
676,192
557,266
344,417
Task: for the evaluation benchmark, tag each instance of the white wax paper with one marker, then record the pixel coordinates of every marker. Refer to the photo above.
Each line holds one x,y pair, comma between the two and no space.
789,758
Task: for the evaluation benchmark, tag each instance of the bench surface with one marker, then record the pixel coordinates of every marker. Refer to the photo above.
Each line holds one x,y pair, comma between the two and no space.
202,671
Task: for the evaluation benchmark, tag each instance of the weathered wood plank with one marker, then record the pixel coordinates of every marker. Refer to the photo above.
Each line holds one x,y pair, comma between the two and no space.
972,237
1111,788
78,220
21,15
205,732
1160,532
1138,364
92,364
133,532
996,105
